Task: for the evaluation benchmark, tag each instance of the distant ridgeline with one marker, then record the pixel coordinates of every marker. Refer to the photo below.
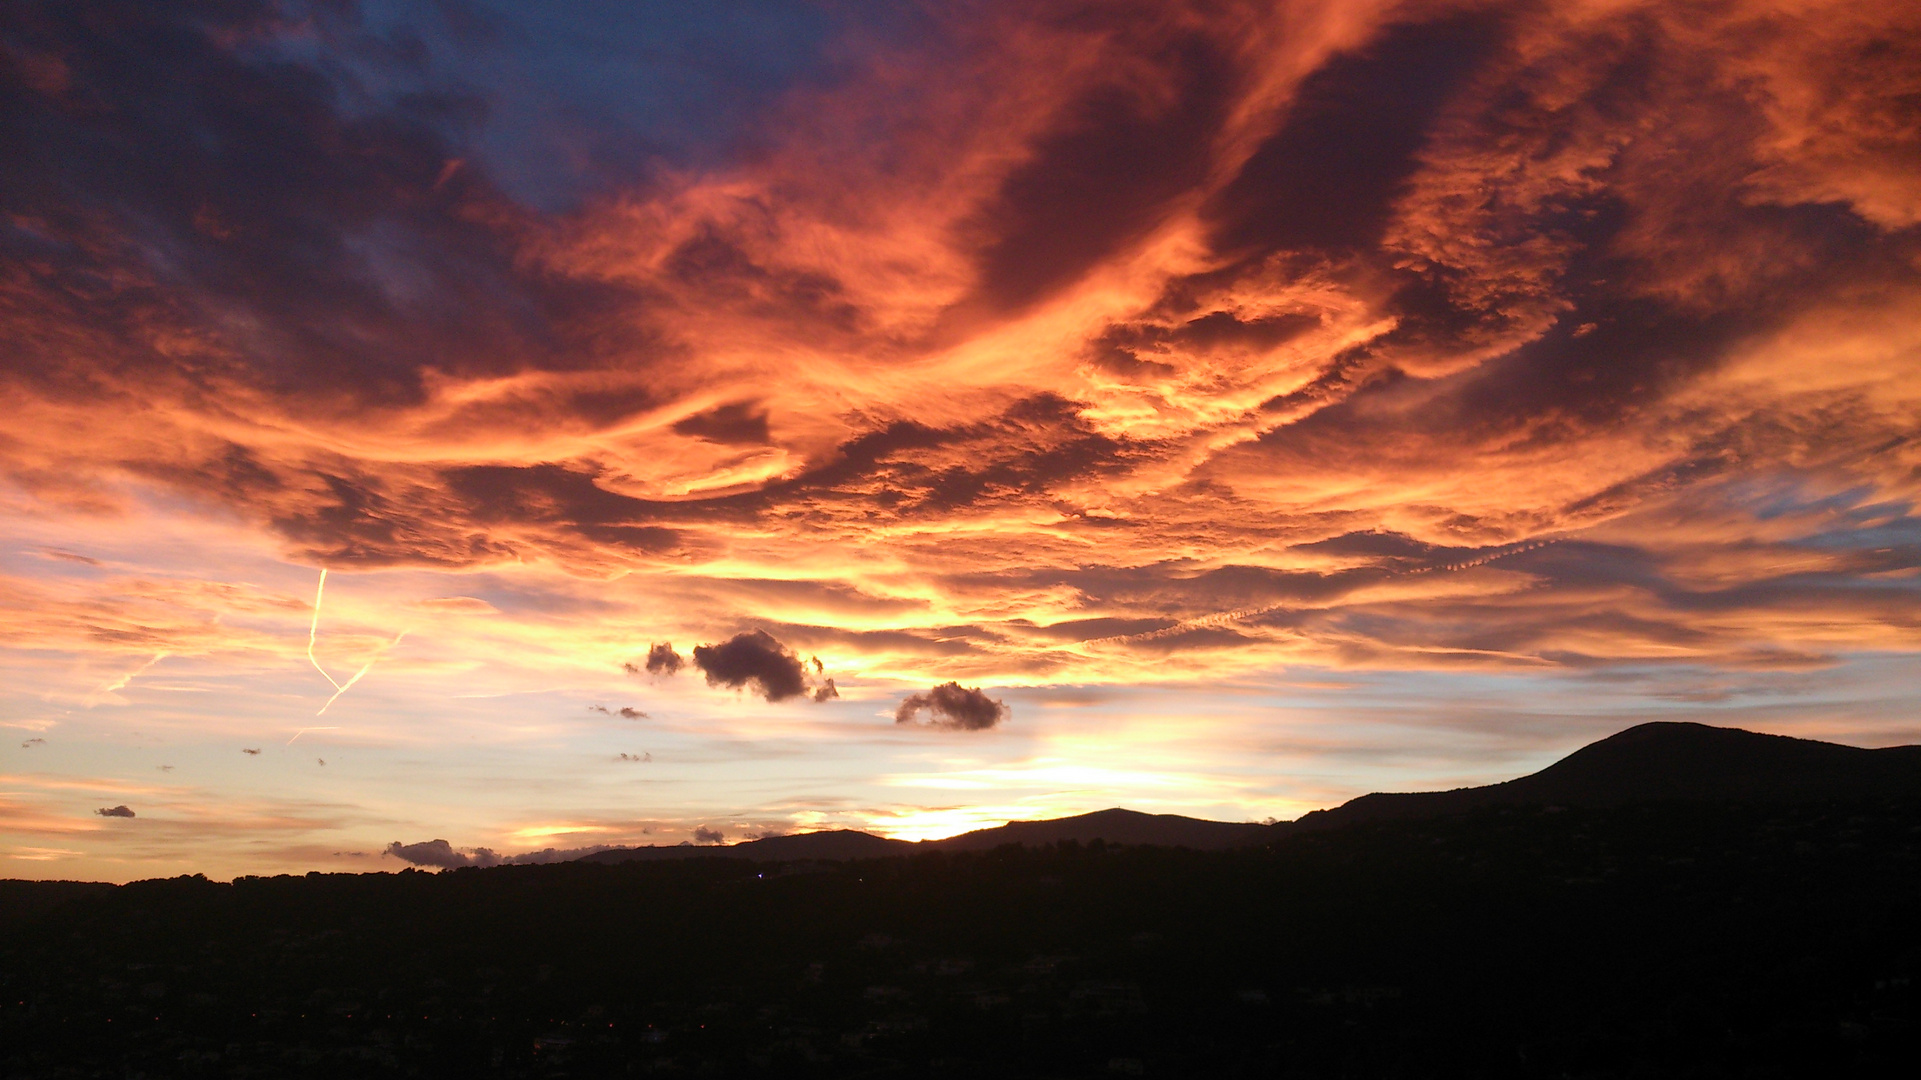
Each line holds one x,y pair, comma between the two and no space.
1656,762
1668,762
1111,826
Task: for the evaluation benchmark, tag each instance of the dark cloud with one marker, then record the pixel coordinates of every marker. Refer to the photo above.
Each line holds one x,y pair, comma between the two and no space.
250,750
306,231
1103,175
632,713
1328,177
1150,349
663,660
32,743
753,657
951,705
560,503
444,856
826,691
644,757
742,423
705,835
115,811
440,854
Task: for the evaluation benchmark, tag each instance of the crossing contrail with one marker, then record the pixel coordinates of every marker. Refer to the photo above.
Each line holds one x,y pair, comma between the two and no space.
313,633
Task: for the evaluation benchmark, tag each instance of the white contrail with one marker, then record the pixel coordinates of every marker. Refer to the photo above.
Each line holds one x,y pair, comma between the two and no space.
364,668
304,730
313,633
128,677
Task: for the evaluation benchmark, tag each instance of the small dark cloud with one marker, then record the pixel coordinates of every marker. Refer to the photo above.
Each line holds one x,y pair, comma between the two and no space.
629,668
114,811
662,660
951,705
633,713
69,556
33,742
753,657
626,711
739,424
350,854
254,750
601,709
440,854
826,691
321,760
164,768
635,757
705,835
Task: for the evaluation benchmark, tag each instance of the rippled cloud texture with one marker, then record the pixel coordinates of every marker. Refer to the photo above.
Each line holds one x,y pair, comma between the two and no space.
1241,377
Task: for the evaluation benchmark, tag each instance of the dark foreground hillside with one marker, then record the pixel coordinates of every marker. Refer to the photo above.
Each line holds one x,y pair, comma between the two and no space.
1660,940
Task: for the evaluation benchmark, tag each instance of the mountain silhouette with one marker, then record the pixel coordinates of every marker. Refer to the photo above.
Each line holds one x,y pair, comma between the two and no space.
1114,826
1665,762
1655,762
833,844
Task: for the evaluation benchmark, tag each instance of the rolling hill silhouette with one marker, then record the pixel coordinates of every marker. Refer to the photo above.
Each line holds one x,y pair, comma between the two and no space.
1112,826
1654,762
834,844
1665,762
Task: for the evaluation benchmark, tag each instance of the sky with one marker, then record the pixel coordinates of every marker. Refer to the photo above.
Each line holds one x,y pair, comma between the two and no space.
538,427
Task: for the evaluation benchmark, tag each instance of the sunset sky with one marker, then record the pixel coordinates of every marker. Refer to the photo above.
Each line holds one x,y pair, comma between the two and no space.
759,417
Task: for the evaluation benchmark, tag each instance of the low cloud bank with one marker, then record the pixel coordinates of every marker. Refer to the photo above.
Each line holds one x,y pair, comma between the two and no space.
442,855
